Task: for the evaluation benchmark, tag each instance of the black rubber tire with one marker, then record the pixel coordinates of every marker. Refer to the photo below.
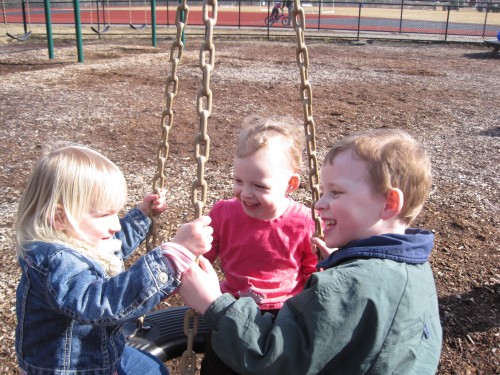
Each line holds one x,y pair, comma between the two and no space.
164,334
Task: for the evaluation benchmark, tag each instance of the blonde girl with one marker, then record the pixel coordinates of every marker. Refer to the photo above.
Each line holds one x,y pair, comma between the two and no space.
74,292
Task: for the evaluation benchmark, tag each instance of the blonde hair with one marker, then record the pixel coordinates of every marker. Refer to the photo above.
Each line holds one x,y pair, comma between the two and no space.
395,160
258,133
74,179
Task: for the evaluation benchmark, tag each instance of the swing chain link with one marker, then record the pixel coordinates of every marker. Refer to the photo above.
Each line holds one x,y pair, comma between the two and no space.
201,155
188,359
204,108
302,57
167,116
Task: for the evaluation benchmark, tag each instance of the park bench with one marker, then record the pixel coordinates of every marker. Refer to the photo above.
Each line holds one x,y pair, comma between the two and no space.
495,44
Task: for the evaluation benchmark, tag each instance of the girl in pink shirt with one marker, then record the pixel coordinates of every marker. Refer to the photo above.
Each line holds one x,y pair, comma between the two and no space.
261,236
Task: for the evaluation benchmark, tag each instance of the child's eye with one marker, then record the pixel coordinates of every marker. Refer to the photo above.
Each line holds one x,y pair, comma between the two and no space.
261,186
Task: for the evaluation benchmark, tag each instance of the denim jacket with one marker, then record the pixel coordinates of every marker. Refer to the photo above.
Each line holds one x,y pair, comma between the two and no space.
70,312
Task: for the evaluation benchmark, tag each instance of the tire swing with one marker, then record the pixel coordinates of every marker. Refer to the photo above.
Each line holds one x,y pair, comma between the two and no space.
178,331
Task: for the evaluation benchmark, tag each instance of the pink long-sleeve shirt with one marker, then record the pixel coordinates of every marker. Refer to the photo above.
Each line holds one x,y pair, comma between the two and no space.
267,260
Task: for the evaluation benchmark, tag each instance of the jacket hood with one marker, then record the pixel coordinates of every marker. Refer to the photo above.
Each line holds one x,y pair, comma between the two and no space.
413,247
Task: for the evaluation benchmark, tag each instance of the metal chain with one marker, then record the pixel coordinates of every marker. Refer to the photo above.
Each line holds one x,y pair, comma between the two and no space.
4,14
201,155
188,359
167,119
28,11
130,11
299,25
167,116
204,108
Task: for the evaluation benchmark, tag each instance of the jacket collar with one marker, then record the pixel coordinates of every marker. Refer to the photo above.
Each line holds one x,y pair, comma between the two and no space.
413,247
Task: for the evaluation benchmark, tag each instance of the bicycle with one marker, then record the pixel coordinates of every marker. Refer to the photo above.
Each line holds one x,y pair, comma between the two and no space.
270,20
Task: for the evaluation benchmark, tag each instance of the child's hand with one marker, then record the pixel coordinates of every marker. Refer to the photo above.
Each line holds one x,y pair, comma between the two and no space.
200,286
195,236
317,244
153,202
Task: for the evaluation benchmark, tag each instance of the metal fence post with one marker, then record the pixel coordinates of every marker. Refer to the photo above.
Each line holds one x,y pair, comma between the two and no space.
447,23
486,19
401,16
269,23
359,19
168,17
239,14
319,14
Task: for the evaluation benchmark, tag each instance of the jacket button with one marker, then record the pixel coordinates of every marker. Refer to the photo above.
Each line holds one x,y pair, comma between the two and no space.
163,277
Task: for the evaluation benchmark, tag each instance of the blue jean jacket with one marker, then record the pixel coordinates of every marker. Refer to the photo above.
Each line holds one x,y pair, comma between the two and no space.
70,313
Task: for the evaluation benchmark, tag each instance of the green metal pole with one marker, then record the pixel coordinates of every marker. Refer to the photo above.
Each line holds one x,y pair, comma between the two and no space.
78,30
48,26
153,22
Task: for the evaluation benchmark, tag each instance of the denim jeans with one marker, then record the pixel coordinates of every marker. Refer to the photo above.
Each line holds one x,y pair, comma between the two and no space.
135,361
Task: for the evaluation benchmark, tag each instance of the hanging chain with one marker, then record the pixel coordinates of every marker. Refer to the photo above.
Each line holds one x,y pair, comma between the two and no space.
4,13
299,25
201,154
188,359
28,11
167,119
130,11
204,108
167,116
91,10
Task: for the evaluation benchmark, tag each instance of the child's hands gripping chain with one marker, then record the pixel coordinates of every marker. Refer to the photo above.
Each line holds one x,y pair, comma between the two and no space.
319,247
196,236
200,286
153,202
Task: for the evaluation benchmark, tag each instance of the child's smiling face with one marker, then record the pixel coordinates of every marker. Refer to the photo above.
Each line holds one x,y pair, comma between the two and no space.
97,228
260,183
349,206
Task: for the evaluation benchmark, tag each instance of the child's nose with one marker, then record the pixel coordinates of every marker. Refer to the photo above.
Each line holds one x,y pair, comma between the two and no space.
115,224
319,205
246,191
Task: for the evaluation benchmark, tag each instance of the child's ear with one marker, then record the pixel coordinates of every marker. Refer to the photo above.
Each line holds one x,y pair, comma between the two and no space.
293,183
394,200
59,218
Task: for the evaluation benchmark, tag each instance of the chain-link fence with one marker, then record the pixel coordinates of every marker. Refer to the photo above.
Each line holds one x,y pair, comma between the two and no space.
456,20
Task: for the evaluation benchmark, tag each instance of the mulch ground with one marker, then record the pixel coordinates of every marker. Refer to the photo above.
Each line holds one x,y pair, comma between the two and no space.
445,95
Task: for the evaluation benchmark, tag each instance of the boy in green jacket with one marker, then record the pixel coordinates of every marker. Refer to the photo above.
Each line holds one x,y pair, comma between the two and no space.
373,309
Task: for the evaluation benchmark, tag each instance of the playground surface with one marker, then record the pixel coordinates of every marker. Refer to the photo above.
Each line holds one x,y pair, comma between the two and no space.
445,95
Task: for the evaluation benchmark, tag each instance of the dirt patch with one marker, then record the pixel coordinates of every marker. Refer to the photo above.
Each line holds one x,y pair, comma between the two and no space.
442,94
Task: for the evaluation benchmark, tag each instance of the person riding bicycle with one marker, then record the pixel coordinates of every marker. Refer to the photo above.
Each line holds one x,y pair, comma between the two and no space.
276,11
